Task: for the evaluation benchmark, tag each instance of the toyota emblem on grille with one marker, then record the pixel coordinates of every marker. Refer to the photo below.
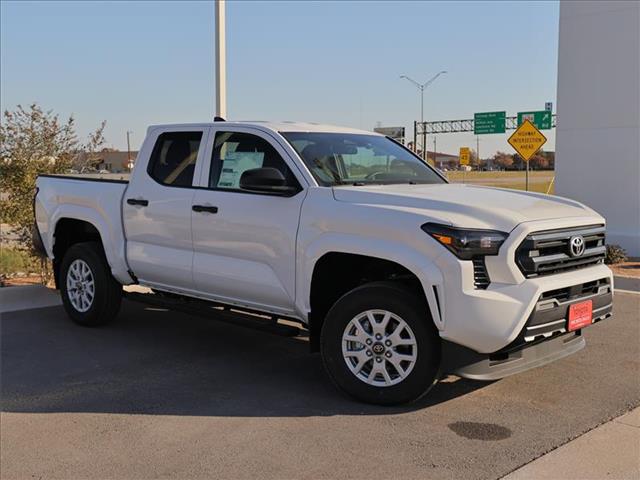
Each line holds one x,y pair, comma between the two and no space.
576,246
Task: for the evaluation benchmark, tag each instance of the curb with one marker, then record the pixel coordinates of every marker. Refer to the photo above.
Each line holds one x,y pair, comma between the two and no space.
27,297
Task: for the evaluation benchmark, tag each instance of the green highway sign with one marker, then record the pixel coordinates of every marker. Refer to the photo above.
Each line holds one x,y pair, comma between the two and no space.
489,122
541,119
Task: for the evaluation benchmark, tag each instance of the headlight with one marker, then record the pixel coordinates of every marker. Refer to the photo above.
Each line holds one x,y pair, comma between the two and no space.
466,243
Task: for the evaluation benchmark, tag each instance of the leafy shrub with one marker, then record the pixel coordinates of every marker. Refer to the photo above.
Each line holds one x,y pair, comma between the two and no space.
32,142
14,261
615,254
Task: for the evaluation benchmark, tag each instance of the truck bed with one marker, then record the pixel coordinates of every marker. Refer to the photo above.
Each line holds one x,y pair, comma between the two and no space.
92,199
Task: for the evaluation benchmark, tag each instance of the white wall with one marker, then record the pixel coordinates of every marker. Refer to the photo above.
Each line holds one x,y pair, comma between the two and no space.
598,134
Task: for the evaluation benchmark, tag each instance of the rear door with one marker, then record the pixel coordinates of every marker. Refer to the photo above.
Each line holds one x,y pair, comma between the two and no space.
244,242
157,208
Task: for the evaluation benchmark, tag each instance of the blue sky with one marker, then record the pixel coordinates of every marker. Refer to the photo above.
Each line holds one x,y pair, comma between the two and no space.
139,63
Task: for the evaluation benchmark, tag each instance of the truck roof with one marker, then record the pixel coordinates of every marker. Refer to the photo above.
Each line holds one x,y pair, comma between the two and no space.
276,126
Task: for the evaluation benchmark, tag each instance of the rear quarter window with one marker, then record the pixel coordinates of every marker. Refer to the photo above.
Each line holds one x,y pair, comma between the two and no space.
173,159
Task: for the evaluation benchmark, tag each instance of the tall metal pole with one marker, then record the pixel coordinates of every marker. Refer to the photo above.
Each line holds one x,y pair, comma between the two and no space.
435,152
128,152
422,104
128,147
221,61
424,131
421,87
478,151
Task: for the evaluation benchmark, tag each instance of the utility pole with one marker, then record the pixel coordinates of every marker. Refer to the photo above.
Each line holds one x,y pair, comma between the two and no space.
478,150
421,87
221,61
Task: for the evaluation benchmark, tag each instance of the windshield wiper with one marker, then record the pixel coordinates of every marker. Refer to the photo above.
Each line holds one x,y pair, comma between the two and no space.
351,184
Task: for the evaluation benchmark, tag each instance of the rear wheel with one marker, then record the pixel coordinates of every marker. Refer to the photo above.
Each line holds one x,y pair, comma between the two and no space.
90,294
379,345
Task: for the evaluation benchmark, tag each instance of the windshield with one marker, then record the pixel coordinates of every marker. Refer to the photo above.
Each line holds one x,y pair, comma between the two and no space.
355,159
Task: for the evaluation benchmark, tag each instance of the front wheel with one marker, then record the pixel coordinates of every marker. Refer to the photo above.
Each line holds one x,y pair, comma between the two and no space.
379,345
90,294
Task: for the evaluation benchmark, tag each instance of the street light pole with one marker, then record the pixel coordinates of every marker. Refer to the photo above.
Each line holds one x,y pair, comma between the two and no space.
422,87
221,61
422,105
425,150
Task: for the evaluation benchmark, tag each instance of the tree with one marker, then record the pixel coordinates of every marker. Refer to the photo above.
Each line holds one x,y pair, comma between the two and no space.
503,160
538,162
473,158
33,142
550,157
88,156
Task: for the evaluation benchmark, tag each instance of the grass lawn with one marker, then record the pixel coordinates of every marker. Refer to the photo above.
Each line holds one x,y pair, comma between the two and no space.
539,181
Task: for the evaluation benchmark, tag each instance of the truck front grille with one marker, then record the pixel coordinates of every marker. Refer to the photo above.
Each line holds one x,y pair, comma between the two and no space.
548,252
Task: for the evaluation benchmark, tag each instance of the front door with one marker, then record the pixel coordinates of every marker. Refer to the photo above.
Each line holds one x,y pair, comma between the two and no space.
157,210
244,242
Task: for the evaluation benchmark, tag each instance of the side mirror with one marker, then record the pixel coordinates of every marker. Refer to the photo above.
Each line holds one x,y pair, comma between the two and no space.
267,180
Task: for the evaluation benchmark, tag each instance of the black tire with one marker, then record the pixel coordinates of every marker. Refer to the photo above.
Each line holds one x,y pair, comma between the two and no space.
108,292
396,299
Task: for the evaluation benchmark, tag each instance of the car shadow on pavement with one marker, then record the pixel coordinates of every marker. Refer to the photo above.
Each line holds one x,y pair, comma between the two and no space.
153,361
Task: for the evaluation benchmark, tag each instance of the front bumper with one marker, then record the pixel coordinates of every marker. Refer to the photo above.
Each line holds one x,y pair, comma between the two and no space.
543,339
466,363
551,312
489,319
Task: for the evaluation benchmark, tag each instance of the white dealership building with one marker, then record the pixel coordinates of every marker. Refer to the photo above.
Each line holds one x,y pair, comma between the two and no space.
598,134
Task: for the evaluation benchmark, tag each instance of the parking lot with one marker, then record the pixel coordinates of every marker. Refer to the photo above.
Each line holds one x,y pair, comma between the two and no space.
161,394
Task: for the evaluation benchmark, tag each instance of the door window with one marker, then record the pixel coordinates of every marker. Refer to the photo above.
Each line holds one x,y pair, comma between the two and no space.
236,152
174,156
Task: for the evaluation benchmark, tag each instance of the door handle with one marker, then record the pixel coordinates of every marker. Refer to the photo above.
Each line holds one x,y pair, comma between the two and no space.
204,209
138,201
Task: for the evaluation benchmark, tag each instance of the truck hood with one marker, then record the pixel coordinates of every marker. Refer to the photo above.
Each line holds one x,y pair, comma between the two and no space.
464,205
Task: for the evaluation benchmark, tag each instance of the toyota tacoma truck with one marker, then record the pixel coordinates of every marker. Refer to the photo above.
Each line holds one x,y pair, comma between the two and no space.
396,275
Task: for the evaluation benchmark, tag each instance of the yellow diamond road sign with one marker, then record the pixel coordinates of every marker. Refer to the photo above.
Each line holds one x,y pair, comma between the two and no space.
464,155
527,140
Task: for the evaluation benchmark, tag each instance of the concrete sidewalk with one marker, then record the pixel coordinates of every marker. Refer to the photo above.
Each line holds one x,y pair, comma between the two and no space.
25,297
611,450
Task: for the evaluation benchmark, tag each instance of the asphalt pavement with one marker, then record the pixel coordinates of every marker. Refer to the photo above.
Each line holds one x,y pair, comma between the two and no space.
162,394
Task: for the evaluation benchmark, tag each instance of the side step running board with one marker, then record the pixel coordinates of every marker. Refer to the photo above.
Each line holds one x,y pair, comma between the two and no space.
223,313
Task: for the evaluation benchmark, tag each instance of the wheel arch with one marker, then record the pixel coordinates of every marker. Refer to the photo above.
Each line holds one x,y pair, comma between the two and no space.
72,227
336,272
67,232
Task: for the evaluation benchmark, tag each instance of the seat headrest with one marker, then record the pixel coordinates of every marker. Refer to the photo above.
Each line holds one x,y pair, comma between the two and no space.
177,152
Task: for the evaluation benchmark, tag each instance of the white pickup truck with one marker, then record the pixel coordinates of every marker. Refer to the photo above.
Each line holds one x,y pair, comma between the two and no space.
398,275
